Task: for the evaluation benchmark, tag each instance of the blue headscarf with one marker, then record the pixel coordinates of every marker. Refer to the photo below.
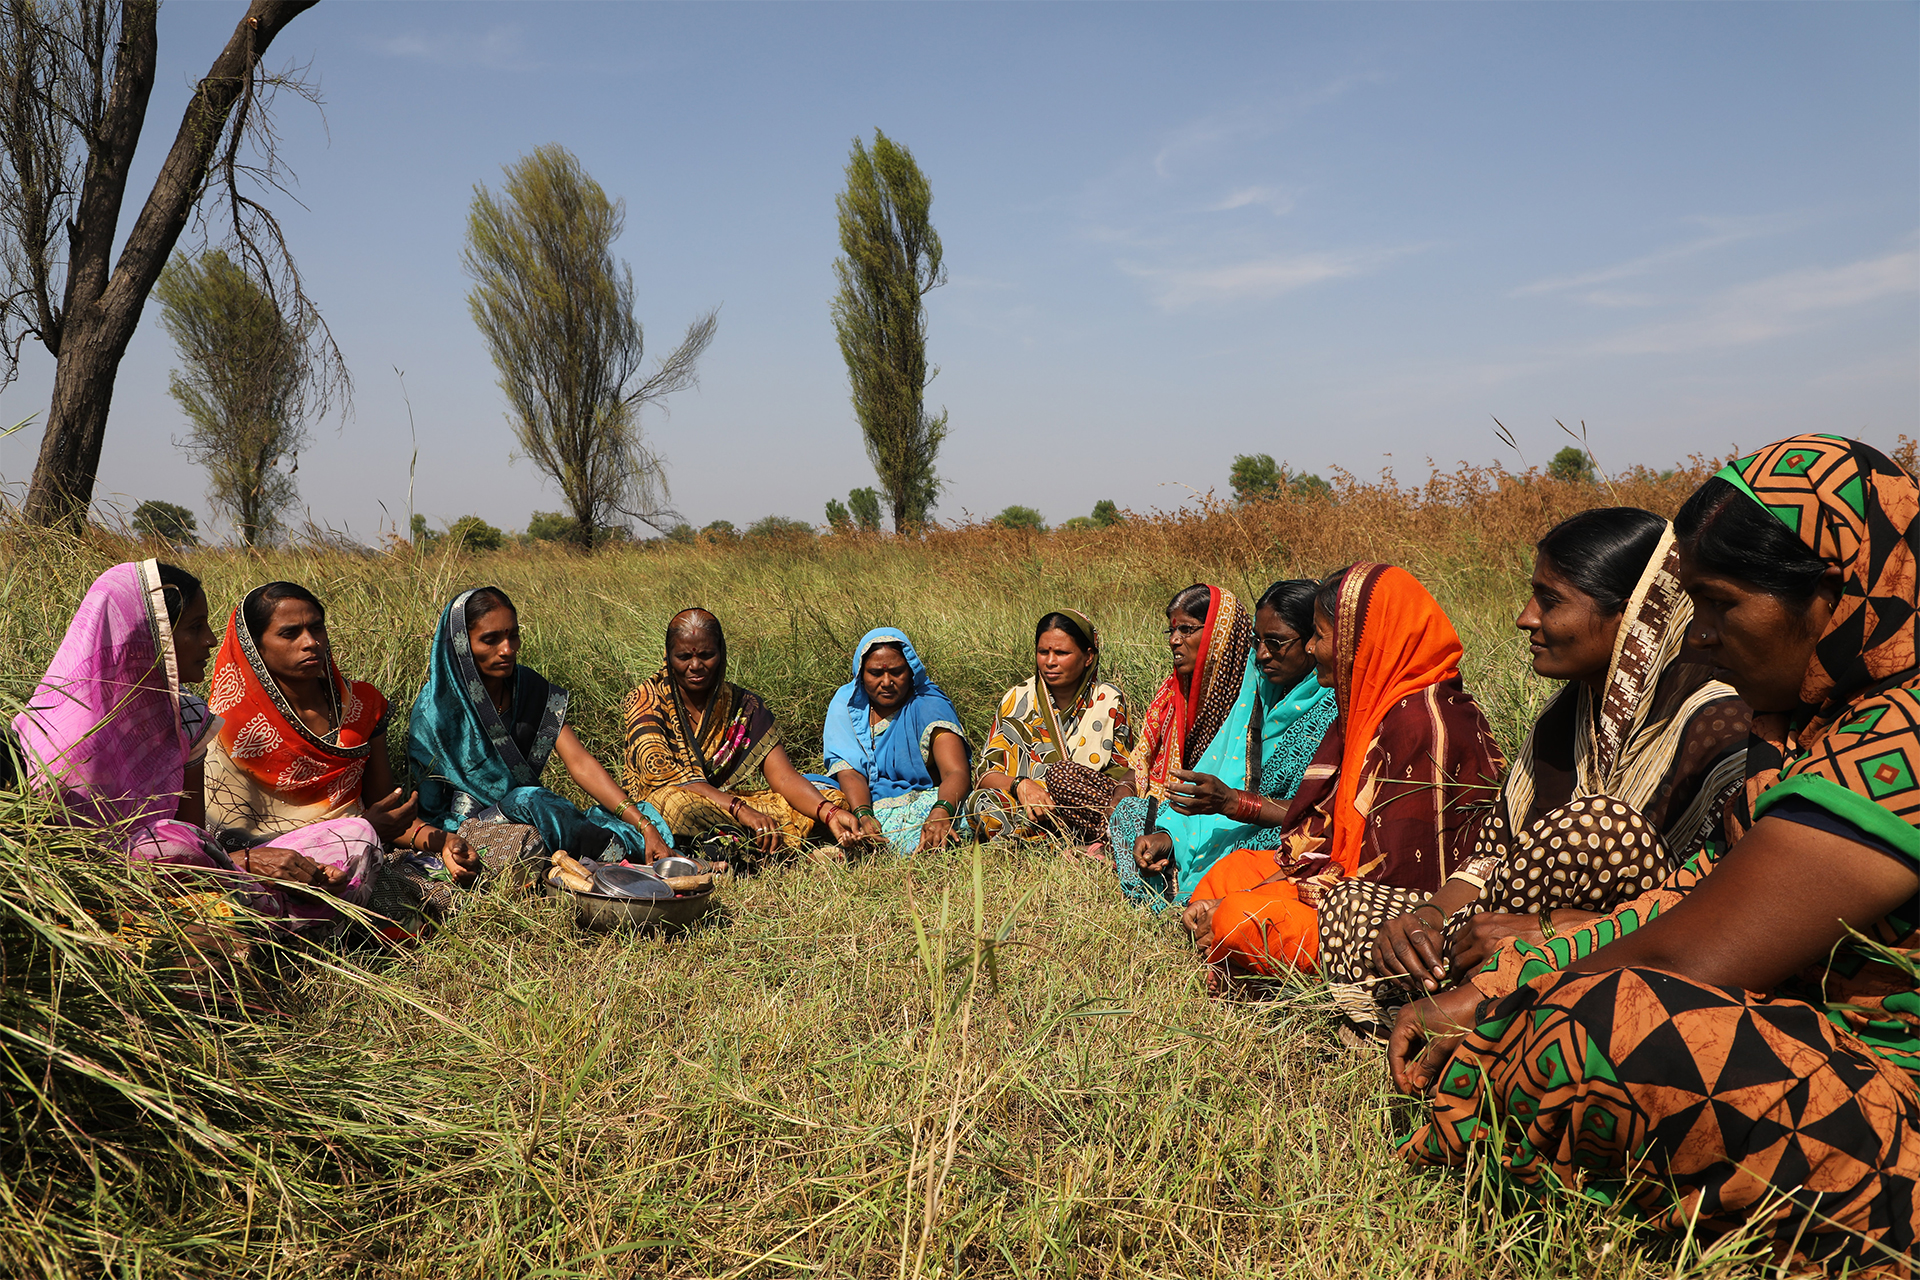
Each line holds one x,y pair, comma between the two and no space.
896,763
463,755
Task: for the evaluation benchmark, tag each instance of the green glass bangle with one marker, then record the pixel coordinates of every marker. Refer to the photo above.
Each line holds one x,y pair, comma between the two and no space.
953,810
864,811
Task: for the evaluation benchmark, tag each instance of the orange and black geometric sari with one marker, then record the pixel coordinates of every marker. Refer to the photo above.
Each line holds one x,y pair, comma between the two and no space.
1709,1109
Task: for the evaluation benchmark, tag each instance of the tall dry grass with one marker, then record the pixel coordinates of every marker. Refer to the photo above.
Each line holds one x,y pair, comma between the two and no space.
979,1063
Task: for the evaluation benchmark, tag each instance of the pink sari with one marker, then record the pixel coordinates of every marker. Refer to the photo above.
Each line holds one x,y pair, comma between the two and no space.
104,732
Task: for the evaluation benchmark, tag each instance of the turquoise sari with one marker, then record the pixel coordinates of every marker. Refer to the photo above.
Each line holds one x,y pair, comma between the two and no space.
1281,729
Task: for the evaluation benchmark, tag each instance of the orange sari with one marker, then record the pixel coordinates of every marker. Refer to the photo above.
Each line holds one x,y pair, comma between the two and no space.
1396,793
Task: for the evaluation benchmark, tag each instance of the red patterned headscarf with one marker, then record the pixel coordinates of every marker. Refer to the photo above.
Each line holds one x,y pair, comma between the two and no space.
1855,508
267,740
1183,717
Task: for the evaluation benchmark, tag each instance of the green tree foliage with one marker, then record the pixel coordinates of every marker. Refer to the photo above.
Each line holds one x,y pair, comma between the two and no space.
75,80
1572,465
1256,477
1079,524
721,531
1106,514
1018,517
838,518
779,528
474,534
864,505
682,533
892,259
556,310
553,526
166,522
242,385
423,537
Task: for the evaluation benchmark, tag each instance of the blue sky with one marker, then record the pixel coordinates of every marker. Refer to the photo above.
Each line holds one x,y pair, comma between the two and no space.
1348,236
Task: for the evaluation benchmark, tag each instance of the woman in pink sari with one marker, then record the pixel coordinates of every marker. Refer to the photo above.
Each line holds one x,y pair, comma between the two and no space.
111,731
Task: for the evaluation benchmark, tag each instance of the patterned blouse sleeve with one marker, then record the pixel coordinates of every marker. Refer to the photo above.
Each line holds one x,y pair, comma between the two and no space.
1122,737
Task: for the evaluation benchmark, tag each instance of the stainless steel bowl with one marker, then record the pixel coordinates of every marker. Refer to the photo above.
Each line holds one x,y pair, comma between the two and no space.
675,865
598,911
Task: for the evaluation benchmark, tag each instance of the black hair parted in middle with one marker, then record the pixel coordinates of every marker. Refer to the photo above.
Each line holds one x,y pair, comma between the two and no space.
1192,601
257,612
1064,622
1292,599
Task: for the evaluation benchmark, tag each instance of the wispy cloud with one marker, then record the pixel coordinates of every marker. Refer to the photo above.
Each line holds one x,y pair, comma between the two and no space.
1248,122
1786,303
1272,199
1720,232
501,47
1256,279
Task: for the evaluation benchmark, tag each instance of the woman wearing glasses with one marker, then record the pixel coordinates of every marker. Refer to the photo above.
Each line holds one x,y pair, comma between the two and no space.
1225,742
1396,793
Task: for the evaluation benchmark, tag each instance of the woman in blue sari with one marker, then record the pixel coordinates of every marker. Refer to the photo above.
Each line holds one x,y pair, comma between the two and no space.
483,729
894,747
1235,795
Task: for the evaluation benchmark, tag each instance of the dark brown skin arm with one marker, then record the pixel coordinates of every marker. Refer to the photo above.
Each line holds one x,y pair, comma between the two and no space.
1771,907
193,794
592,777
805,797
1776,903
853,785
949,766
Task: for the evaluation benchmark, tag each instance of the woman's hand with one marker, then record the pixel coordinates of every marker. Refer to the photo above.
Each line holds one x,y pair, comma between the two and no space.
1033,797
845,828
458,857
1152,852
762,830
1425,1035
1194,793
392,814
270,863
1198,917
870,827
1413,945
656,844
936,831
1481,936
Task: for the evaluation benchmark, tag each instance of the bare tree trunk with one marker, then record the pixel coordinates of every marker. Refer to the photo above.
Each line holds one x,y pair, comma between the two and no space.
103,310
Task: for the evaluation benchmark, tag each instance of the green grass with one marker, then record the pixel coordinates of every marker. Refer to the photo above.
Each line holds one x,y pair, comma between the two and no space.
979,1063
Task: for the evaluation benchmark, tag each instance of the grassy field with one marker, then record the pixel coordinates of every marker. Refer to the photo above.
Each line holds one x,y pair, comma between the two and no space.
981,1063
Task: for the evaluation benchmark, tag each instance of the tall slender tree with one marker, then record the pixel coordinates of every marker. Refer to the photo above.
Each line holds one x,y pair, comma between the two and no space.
892,260
244,385
556,310
75,77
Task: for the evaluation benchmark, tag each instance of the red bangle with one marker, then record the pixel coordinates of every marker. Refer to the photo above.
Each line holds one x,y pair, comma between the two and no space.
824,803
1247,806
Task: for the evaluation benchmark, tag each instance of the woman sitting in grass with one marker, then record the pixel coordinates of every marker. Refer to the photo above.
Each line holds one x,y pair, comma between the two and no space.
1058,753
1738,1048
1396,793
1624,776
482,732
111,731
299,743
706,753
894,747
1246,764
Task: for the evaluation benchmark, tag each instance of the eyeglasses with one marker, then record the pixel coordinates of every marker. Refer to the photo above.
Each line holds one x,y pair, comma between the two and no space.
1183,631
1275,646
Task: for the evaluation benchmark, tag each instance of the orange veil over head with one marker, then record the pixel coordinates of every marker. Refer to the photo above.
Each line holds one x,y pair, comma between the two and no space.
1391,639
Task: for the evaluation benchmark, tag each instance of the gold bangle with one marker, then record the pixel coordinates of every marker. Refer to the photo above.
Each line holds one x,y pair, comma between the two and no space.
1547,931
